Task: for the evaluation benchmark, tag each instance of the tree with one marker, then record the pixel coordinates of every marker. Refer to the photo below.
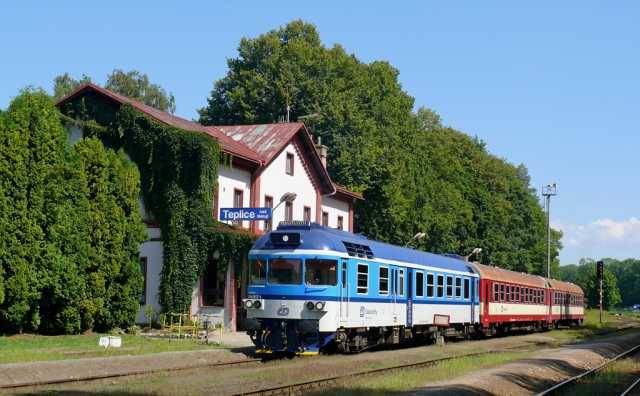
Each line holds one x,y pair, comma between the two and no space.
136,85
587,280
627,273
415,173
132,84
64,84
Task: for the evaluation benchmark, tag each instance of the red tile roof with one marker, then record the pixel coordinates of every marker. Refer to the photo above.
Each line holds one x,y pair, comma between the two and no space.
259,144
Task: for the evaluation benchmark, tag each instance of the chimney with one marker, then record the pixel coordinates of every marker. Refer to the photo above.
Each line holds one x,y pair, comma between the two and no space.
322,152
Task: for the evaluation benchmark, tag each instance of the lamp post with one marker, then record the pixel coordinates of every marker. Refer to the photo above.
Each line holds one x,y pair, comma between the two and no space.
549,191
473,253
416,237
286,197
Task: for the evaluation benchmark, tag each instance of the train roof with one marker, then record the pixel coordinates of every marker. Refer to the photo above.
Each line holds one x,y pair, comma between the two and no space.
316,237
504,275
565,286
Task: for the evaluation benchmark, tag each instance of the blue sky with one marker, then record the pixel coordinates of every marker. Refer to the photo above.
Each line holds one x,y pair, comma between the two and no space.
556,87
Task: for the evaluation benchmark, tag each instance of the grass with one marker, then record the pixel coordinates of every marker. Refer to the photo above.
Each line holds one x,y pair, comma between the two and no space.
612,380
31,348
402,381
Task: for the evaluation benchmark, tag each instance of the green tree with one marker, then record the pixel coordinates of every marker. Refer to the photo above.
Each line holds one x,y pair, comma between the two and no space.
627,273
569,273
133,84
415,173
112,273
64,84
136,85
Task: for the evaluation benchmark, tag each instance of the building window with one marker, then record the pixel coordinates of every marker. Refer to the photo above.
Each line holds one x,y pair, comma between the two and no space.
363,279
288,211
325,219
429,285
307,214
419,284
289,164
466,288
440,285
212,285
384,280
268,203
143,271
340,223
238,201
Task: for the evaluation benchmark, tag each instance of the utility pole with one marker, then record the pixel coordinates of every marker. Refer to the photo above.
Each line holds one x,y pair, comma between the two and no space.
549,191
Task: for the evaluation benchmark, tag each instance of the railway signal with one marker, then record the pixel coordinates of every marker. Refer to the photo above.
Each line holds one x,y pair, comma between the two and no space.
600,275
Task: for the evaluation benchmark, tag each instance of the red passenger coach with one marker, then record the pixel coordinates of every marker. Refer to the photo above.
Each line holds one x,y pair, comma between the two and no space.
511,300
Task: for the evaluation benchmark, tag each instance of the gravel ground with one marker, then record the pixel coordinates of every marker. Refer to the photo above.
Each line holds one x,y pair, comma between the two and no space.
281,372
529,376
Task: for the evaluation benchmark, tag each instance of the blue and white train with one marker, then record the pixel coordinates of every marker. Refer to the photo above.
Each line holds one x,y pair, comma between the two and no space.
312,287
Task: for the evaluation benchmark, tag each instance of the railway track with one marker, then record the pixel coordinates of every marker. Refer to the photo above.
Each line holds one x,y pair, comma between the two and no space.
132,373
327,382
564,385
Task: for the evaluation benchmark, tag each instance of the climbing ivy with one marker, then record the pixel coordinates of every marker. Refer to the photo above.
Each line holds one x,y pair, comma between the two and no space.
178,171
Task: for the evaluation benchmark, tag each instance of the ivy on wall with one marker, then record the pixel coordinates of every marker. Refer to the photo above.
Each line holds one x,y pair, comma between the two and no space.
178,172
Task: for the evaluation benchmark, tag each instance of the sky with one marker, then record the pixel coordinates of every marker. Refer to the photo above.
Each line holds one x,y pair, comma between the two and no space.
553,85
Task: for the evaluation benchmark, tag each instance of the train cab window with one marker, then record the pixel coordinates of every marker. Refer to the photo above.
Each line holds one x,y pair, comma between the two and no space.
363,279
458,287
321,272
384,280
430,285
419,284
401,282
257,272
449,286
466,288
440,285
496,292
285,272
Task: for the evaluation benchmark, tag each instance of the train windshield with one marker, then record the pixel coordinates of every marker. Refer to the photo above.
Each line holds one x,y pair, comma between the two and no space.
257,272
321,272
285,271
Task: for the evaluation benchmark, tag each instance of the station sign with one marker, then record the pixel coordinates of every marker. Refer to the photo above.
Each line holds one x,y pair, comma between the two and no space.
245,214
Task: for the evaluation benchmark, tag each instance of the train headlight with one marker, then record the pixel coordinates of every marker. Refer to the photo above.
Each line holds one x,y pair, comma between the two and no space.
249,303
310,305
320,305
257,304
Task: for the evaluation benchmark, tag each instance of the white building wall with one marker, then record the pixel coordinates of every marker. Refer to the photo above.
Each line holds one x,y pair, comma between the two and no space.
335,208
153,251
229,179
275,181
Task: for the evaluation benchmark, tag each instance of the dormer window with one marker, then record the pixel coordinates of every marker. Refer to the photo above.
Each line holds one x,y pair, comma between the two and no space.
289,164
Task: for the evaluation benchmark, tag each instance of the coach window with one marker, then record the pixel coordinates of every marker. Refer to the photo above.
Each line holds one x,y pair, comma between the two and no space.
285,272
496,292
384,280
363,279
466,288
429,285
257,272
449,286
440,285
321,272
419,284
458,287
401,282
502,293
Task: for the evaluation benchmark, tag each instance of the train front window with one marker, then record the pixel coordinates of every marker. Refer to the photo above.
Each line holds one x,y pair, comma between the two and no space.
321,272
285,272
257,272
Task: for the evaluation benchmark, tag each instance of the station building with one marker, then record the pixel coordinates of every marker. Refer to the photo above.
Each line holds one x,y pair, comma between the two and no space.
267,162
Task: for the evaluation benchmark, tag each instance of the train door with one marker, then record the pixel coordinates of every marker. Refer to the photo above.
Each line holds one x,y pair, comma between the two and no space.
344,291
409,291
